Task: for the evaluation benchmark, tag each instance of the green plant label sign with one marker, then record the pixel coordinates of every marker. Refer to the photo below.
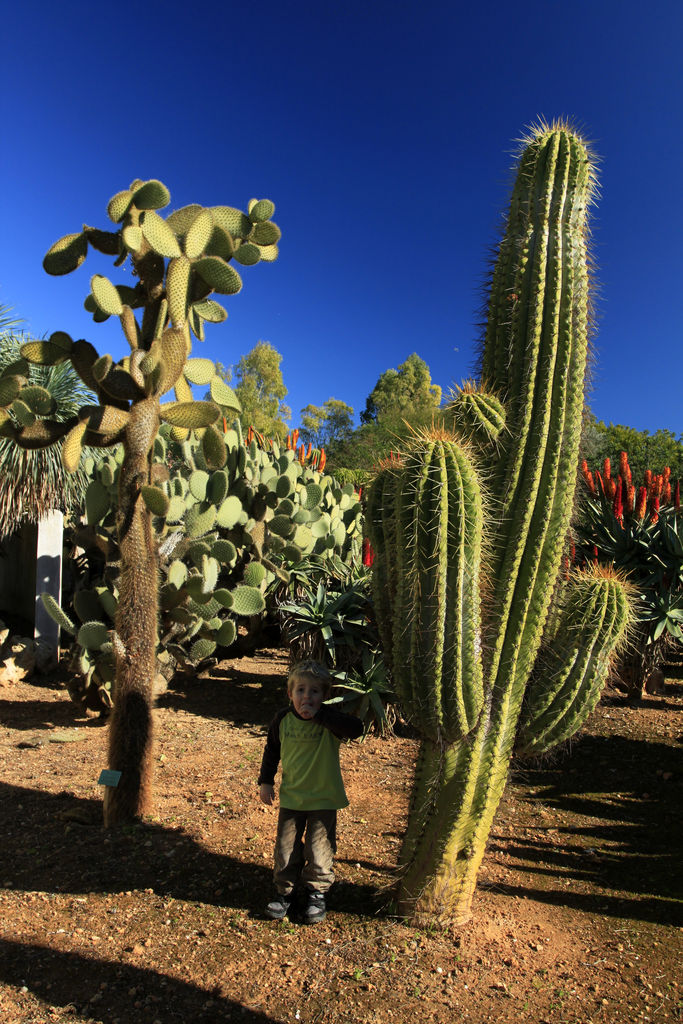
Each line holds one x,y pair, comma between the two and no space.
108,777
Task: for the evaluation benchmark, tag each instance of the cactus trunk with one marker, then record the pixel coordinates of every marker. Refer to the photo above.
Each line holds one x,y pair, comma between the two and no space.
130,736
463,683
438,870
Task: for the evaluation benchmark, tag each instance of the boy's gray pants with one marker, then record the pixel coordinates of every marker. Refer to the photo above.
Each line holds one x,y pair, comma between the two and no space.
304,850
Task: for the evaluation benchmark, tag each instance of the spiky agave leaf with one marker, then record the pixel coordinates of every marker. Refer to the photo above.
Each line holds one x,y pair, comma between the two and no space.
32,482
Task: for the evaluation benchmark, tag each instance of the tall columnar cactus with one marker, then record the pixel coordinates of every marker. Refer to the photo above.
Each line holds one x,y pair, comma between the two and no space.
469,531
178,262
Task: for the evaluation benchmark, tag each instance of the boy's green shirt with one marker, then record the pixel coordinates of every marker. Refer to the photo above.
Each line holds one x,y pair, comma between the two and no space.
309,751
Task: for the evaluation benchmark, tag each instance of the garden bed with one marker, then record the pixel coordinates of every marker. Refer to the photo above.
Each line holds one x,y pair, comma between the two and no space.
578,916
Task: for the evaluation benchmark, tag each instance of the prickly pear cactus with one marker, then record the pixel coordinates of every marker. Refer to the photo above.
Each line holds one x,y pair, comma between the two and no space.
179,262
468,530
225,537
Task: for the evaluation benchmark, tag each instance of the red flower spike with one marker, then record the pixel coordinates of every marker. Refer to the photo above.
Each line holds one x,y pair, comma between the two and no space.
591,483
368,553
595,552
654,510
630,499
611,488
618,489
607,468
642,503
677,495
601,482
666,493
323,460
302,455
618,502
666,473
625,469
647,479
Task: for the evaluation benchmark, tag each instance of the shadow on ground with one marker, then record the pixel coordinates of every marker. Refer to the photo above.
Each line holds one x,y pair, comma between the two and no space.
123,992
608,816
27,715
235,691
56,843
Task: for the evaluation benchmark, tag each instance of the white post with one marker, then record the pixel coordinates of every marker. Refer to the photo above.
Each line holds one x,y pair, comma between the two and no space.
48,576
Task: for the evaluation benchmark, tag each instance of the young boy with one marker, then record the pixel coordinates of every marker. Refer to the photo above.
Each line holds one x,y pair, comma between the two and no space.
305,736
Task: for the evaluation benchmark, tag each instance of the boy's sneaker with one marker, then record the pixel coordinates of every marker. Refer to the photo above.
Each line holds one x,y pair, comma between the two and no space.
314,910
278,907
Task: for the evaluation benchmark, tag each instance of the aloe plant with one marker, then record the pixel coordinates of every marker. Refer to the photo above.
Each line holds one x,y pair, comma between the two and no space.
639,530
178,263
469,530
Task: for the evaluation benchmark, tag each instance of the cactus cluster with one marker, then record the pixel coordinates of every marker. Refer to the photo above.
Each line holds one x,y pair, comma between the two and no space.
178,262
226,536
469,528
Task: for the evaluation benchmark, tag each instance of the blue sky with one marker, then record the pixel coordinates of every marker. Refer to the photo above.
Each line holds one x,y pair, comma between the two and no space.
384,134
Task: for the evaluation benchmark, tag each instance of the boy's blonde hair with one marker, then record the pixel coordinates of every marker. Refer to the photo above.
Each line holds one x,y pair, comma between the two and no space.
314,670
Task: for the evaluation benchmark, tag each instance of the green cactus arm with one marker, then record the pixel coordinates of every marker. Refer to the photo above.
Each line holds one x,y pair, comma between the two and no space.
463,677
381,530
191,415
40,434
445,664
57,614
572,672
477,415
547,346
426,525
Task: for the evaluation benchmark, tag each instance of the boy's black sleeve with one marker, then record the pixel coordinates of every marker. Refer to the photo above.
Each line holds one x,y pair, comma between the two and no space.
271,754
341,725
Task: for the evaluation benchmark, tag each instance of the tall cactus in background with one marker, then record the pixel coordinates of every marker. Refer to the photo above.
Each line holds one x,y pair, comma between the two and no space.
469,529
178,262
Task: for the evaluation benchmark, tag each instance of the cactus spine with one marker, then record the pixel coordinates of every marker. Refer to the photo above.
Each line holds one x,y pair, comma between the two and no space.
464,689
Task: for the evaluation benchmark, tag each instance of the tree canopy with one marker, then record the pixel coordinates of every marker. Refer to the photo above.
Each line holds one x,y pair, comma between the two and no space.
403,393
401,400
260,389
327,425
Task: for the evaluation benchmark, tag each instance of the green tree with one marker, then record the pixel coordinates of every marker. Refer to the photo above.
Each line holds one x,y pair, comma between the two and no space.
260,389
401,401
403,394
327,425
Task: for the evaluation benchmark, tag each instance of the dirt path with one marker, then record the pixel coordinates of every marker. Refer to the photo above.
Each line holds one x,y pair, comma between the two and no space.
578,916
